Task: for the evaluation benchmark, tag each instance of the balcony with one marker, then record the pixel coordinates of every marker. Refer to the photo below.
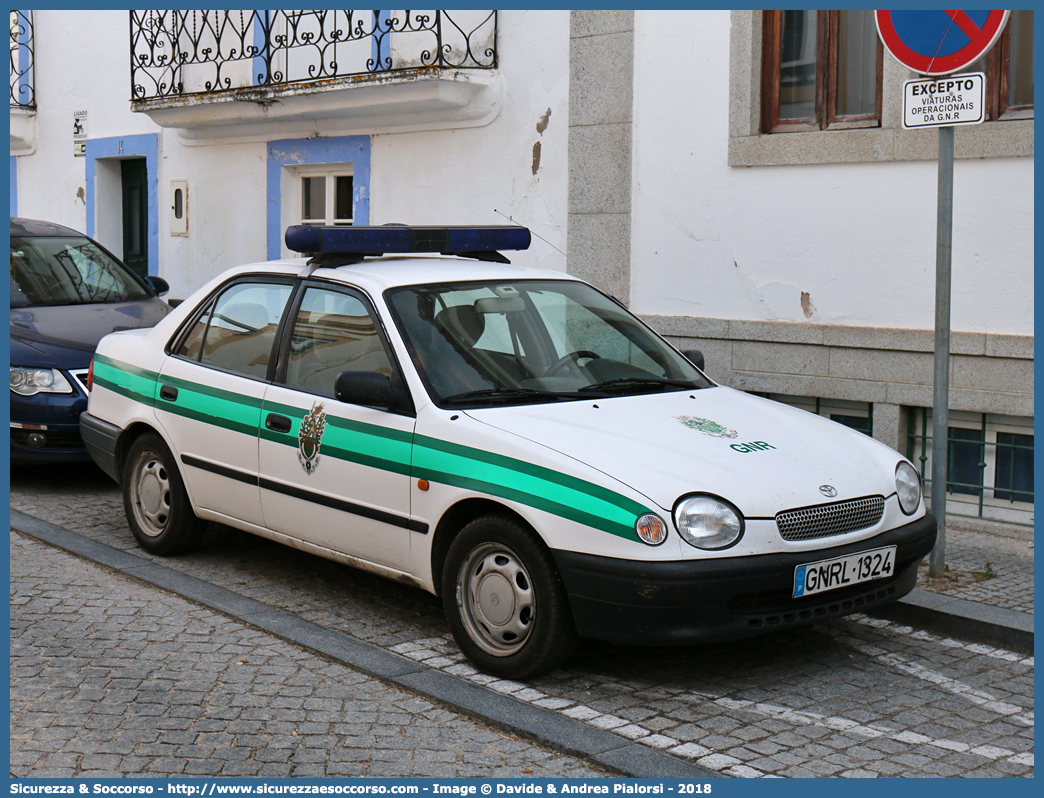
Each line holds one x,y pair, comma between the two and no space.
221,74
23,88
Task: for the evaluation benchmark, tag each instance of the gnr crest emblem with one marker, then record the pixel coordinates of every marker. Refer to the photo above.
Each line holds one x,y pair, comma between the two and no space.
308,438
707,427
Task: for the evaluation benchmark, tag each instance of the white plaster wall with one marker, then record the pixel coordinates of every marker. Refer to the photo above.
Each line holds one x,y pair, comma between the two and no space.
466,176
226,182
441,177
860,240
90,71
227,187
708,240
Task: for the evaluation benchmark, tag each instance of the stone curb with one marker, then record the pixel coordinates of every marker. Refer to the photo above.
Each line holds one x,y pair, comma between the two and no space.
536,724
963,619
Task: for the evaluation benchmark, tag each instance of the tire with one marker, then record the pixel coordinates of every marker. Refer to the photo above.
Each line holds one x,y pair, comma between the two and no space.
496,558
154,499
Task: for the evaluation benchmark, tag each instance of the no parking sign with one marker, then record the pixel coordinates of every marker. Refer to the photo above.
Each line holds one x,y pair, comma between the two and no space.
939,42
936,44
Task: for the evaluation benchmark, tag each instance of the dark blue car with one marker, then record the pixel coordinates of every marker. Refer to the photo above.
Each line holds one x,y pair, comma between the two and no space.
67,292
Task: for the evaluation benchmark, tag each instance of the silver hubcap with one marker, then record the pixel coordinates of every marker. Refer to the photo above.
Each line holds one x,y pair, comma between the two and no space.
496,599
151,494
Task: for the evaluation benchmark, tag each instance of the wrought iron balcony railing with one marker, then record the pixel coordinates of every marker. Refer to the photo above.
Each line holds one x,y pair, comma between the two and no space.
180,53
23,92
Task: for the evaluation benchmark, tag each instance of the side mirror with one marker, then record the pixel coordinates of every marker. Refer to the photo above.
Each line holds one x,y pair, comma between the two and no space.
694,356
158,284
372,389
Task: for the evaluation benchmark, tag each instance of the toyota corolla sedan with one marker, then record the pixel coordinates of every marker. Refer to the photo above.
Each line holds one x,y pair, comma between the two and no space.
66,293
405,401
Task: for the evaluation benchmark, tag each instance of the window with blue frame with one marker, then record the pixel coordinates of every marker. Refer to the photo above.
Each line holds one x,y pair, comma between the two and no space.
316,181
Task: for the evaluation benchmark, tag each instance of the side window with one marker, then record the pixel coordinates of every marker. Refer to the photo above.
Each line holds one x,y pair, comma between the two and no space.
822,69
333,332
238,330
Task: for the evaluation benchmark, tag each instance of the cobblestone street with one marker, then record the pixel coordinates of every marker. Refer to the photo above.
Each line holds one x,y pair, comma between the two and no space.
858,697
111,677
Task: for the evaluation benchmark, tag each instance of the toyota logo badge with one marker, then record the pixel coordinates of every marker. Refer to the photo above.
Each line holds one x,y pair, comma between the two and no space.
828,490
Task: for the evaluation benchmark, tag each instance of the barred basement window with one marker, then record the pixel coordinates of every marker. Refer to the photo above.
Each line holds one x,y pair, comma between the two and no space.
855,415
990,464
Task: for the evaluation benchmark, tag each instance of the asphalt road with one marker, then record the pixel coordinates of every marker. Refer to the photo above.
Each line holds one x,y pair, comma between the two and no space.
858,697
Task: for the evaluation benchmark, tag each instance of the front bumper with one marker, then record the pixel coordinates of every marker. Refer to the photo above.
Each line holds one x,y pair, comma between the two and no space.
55,419
695,601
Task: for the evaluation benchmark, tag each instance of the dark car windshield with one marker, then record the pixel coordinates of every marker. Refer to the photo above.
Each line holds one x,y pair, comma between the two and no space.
530,341
70,270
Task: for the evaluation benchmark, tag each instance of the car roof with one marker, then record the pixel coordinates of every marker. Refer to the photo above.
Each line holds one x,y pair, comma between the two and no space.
23,228
390,271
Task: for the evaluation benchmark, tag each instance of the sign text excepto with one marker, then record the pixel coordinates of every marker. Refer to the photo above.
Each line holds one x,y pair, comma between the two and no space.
953,100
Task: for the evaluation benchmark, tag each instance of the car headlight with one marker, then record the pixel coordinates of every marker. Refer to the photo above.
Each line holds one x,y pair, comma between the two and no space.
907,488
707,522
29,381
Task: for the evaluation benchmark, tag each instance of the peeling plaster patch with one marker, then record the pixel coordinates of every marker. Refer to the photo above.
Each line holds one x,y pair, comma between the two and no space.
81,195
806,305
289,156
542,124
755,293
536,157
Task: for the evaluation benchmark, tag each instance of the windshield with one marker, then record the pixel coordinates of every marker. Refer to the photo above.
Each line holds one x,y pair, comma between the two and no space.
67,271
478,344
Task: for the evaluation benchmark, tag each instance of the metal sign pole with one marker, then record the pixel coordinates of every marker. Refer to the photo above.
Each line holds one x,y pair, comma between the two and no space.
941,394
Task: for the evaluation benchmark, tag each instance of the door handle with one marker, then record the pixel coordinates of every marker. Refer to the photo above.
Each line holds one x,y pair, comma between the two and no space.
278,423
169,392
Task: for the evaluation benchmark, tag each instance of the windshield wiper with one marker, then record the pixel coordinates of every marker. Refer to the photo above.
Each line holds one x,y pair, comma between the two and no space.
637,382
494,394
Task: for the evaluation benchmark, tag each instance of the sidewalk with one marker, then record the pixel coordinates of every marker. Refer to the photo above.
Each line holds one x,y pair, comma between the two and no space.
986,594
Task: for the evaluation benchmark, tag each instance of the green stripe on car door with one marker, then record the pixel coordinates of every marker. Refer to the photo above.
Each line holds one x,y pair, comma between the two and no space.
394,450
534,486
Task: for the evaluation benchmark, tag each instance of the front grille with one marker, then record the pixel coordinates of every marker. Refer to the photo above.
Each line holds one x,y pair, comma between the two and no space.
81,379
64,441
825,520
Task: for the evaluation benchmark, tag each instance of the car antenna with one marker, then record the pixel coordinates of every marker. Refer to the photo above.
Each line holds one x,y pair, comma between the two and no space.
533,232
556,249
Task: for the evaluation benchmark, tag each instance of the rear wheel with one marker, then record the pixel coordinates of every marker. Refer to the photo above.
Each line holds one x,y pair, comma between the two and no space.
504,600
154,498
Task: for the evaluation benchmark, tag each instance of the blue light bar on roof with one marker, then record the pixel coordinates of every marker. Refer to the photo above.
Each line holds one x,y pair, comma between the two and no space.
370,240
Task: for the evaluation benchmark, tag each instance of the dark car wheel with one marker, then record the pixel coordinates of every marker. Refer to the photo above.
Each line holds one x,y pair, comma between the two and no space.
504,600
154,498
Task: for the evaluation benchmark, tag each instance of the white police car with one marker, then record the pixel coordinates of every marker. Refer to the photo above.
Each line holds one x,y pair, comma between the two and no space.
512,440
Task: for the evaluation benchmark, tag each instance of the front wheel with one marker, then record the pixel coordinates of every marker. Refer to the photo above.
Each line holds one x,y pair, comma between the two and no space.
154,498
505,602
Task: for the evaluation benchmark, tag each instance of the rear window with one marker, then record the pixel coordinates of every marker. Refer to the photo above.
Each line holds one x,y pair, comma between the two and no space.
70,270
